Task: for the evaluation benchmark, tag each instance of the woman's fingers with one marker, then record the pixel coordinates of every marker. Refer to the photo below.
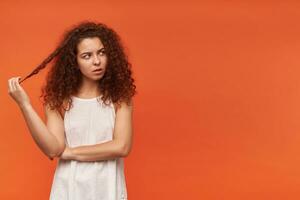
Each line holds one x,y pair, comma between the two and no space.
10,85
17,92
13,84
16,83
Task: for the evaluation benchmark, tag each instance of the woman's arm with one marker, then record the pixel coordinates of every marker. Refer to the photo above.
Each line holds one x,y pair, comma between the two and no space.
120,146
46,141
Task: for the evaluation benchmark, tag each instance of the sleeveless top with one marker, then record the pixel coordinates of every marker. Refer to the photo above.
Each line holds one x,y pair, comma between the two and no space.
89,122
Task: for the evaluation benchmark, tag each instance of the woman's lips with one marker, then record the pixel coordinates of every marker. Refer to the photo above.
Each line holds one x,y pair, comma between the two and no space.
98,71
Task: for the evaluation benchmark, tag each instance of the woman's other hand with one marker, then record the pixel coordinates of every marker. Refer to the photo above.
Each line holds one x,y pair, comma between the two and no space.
17,92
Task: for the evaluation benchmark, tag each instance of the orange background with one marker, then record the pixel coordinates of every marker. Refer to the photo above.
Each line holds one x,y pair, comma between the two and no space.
218,105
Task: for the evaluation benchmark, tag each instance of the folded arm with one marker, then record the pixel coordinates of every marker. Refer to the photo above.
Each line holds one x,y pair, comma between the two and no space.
119,146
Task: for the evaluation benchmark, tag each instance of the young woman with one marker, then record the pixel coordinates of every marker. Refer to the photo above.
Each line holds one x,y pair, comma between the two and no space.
88,105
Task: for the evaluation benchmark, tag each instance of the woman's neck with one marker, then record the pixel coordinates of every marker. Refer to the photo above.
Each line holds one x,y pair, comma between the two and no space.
88,89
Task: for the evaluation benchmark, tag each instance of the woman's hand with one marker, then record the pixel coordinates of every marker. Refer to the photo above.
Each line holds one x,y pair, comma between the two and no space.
67,154
17,92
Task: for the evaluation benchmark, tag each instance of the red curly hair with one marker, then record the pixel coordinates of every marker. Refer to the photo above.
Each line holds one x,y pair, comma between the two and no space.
63,79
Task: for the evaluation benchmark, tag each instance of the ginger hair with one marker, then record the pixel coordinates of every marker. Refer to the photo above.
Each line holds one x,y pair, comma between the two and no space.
64,77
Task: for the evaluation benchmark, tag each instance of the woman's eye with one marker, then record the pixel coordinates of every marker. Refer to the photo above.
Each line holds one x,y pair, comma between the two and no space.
102,52
86,56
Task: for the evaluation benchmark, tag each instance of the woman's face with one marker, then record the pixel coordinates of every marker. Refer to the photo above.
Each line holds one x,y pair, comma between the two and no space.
91,58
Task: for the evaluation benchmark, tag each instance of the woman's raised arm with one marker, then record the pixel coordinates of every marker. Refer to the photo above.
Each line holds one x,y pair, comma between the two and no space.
50,137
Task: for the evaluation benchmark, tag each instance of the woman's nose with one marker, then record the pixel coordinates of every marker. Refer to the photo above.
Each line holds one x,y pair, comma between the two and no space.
96,60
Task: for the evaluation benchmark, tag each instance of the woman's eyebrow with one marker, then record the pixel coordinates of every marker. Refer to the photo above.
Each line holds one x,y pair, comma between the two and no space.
91,51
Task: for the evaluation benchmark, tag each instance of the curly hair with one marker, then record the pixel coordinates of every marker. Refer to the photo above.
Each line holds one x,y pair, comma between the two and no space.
64,78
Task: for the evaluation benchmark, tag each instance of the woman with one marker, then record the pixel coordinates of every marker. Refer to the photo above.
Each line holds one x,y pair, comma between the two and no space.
88,106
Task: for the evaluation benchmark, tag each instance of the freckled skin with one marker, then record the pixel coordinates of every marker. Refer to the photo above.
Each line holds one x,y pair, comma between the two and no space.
91,55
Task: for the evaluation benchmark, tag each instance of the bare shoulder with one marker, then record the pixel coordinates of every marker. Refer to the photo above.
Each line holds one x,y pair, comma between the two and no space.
55,112
123,106
51,112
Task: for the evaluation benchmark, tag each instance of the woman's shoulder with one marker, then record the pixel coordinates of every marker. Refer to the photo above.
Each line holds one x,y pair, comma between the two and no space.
122,104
